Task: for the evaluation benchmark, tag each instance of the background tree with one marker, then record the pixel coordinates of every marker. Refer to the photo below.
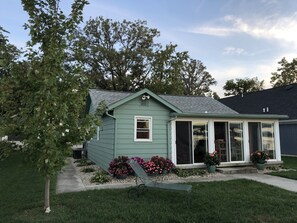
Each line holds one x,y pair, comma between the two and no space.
166,69
116,55
8,54
241,86
124,56
53,95
196,80
286,74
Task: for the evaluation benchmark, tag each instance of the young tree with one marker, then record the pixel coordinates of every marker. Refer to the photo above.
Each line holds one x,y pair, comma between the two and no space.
286,74
241,86
53,93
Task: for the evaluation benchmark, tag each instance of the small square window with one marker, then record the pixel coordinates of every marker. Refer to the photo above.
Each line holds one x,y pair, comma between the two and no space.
143,128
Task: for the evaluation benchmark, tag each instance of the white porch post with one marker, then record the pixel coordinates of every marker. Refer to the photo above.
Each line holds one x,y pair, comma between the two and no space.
246,144
211,136
278,156
173,142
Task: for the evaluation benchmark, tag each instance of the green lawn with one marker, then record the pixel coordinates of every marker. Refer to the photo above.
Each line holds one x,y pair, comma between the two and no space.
21,200
289,163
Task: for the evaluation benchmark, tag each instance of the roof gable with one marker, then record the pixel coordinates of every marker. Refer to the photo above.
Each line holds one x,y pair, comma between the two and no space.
114,99
178,104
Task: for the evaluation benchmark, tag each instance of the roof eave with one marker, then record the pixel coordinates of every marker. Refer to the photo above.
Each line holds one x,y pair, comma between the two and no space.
229,116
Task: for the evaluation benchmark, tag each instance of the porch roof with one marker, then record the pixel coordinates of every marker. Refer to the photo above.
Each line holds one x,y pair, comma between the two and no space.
229,116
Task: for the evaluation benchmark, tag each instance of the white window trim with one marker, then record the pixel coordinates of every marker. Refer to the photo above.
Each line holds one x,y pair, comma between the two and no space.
98,133
150,119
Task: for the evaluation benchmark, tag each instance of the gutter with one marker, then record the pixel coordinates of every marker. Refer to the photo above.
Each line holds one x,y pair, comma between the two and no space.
230,116
115,131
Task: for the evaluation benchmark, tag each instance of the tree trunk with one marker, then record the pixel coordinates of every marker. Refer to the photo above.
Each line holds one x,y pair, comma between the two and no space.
47,195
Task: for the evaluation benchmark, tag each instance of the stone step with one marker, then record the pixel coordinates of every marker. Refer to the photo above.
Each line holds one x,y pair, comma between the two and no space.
237,170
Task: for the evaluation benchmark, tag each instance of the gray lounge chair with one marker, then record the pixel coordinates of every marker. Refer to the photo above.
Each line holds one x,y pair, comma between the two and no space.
147,182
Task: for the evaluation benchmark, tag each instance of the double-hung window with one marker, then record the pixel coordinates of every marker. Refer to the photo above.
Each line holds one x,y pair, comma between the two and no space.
142,128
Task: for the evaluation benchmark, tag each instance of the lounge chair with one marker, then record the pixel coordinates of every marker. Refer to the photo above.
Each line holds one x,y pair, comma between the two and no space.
147,182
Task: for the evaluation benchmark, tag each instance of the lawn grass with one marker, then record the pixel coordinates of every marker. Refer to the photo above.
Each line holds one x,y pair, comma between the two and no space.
21,200
289,163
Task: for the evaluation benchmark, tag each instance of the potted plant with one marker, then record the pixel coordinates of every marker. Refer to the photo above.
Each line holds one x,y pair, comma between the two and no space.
259,158
211,160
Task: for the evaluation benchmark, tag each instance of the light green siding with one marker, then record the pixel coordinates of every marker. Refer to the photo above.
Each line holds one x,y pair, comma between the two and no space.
125,144
102,151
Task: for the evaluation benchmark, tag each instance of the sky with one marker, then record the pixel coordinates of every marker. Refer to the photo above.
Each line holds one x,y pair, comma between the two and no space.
232,38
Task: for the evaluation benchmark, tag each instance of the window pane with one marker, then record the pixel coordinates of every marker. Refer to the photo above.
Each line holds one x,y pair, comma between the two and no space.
143,135
142,123
200,140
143,128
236,141
268,139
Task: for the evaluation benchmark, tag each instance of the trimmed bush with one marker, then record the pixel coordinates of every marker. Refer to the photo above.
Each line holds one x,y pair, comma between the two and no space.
100,177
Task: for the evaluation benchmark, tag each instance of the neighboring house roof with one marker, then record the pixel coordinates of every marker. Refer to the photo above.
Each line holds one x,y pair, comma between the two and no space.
279,100
178,104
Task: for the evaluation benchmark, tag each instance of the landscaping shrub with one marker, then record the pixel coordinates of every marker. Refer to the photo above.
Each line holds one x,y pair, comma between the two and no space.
120,166
84,162
88,170
158,165
100,177
6,148
139,160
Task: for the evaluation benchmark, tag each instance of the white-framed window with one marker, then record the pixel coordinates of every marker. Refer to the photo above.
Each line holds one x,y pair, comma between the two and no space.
143,128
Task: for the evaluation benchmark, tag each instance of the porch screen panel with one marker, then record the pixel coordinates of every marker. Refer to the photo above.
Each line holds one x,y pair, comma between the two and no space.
255,140
184,142
236,141
268,139
200,141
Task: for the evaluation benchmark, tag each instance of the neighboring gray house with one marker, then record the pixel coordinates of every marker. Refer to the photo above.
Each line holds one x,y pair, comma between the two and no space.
278,100
182,128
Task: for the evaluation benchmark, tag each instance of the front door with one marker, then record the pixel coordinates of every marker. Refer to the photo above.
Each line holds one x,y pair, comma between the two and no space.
184,142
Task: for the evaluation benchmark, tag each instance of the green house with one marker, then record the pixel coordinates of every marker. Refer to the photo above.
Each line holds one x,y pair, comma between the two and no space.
181,128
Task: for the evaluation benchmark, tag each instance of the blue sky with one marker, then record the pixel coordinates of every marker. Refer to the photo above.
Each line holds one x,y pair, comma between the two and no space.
233,38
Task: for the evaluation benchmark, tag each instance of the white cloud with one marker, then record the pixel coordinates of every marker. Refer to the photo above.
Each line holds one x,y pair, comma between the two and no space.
214,31
233,51
269,27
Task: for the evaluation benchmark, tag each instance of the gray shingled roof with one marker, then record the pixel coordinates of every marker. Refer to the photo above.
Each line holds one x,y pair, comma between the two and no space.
198,104
187,104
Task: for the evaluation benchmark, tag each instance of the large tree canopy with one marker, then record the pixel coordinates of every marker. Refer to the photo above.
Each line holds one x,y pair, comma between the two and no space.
124,56
286,74
241,86
196,79
116,55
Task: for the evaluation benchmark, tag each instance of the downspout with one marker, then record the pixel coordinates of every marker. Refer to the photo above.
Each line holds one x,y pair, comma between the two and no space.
115,131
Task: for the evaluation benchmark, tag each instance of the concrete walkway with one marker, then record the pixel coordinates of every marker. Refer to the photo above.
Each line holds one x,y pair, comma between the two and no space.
287,184
69,181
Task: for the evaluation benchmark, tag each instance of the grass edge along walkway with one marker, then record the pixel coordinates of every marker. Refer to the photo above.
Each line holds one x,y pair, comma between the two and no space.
290,163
